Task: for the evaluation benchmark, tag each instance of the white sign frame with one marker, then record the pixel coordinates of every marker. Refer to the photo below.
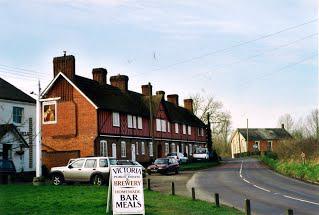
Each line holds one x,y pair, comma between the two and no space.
126,183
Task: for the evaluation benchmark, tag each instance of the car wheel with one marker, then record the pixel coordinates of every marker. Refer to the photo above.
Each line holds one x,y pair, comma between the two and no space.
57,179
97,180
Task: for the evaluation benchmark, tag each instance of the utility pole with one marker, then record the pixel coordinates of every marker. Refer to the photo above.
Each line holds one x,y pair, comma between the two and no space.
247,139
151,114
38,134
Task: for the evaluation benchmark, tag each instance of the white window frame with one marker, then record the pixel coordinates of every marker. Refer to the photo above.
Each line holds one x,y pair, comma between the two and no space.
139,122
202,132
136,148
166,150
134,122
189,130
182,148
176,128
163,125
173,147
103,148
123,149
151,149
116,119
158,125
184,129
129,121
168,127
142,148
114,151
190,149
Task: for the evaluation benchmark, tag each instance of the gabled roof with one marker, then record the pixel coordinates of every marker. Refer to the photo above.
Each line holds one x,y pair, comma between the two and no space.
5,128
257,134
10,92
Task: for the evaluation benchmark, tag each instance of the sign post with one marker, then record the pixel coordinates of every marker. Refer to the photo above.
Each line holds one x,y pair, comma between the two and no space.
127,190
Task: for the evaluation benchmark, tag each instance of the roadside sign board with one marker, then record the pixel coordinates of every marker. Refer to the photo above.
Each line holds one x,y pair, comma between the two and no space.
127,189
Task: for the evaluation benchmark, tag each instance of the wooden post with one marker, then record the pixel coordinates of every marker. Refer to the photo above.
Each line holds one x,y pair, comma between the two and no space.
193,193
217,199
149,184
173,188
290,211
247,207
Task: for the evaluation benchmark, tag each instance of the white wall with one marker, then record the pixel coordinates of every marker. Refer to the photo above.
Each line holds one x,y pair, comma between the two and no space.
238,141
6,109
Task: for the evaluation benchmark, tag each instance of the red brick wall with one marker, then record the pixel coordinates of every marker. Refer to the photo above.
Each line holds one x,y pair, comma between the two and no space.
54,159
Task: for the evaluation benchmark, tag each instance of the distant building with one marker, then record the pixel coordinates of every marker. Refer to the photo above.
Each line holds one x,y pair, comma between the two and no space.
89,117
259,140
17,127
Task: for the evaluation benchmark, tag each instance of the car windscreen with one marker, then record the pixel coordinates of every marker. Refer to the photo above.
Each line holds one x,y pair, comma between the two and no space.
161,161
112,161
200,151
171,154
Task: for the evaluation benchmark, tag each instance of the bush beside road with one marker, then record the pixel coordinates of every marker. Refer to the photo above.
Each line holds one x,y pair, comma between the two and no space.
86,199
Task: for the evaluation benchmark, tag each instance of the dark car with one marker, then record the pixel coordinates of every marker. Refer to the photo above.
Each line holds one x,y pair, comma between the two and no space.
7,168
131,162
163,166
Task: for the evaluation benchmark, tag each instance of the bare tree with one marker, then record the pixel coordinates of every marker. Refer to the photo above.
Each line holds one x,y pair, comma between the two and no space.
288,122
312,124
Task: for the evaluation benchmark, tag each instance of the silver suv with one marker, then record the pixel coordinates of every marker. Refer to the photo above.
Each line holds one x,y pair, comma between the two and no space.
91,169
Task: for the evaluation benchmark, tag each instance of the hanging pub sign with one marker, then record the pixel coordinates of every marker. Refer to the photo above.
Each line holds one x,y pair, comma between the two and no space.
49,112
127,189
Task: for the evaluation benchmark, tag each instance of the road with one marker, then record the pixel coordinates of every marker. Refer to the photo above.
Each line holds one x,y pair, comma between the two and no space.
269,192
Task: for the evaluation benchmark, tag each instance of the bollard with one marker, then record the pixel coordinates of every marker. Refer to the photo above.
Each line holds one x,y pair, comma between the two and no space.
290,211
193,193
217,199
149,184
247,207
173,188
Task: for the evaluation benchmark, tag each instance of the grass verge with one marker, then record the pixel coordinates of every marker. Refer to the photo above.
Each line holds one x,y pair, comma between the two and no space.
84,199
306,172
197,165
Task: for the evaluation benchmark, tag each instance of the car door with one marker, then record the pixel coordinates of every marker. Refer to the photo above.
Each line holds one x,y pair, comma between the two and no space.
89,167
74,171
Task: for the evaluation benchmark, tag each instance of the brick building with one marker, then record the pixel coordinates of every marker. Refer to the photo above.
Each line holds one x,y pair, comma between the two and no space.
259,140
85,117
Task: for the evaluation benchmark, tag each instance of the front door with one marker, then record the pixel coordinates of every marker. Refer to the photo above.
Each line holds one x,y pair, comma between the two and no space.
133,152
159,151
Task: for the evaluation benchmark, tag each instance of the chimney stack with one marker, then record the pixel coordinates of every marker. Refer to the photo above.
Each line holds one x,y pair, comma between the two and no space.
173,98
188,104
161,92
147,89
120,81
282,126
99,75
64,64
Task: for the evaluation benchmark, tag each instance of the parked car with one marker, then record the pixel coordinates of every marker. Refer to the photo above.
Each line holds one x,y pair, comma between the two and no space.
163,166
131,162
7,168
201,154
178,156
91,169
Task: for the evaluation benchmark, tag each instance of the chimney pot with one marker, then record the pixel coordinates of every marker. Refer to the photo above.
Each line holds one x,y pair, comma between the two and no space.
188,104
147,89
64,64
161,92
173,98
120,81
99,75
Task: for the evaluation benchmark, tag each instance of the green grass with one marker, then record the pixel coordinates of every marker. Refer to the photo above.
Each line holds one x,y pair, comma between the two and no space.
308,171
86,199
198,165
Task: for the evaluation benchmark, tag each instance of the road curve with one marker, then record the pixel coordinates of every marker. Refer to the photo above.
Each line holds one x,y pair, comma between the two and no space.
269,192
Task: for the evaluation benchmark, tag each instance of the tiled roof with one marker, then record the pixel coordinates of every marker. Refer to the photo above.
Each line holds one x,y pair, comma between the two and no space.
112,98
10,92
258,134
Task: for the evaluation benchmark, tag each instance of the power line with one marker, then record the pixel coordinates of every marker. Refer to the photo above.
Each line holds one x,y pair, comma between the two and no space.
21,72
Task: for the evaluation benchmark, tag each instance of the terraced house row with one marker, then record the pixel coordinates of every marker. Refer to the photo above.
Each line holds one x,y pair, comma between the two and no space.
89,117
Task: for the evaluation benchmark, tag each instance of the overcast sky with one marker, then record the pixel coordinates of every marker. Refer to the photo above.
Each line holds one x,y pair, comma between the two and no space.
225,48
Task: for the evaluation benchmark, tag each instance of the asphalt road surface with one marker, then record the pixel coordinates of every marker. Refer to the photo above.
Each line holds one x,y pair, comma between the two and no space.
269,192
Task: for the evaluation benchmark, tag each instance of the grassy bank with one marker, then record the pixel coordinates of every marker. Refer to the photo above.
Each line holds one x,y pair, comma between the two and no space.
306,172
48,199
198,165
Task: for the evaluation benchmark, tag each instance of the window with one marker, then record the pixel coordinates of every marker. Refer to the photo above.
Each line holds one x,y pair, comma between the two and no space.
166,148
17,114
269,146
176,128
134,121
123,149
103,148
256,146
168,127
116,119
182,148
163,125
177,147
198,132
158,125
78,163
139,123
189,130
190,149
173,148
114,150
184,129
129,121
150,147
142,148
136,148
90,163
202,131
103,163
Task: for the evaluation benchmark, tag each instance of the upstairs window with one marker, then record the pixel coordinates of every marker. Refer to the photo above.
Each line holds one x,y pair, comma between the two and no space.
134,122
163,125
184,129
116,119
176,128
202,131
168,127
189,130
139,123
129,121
158,125
17,114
